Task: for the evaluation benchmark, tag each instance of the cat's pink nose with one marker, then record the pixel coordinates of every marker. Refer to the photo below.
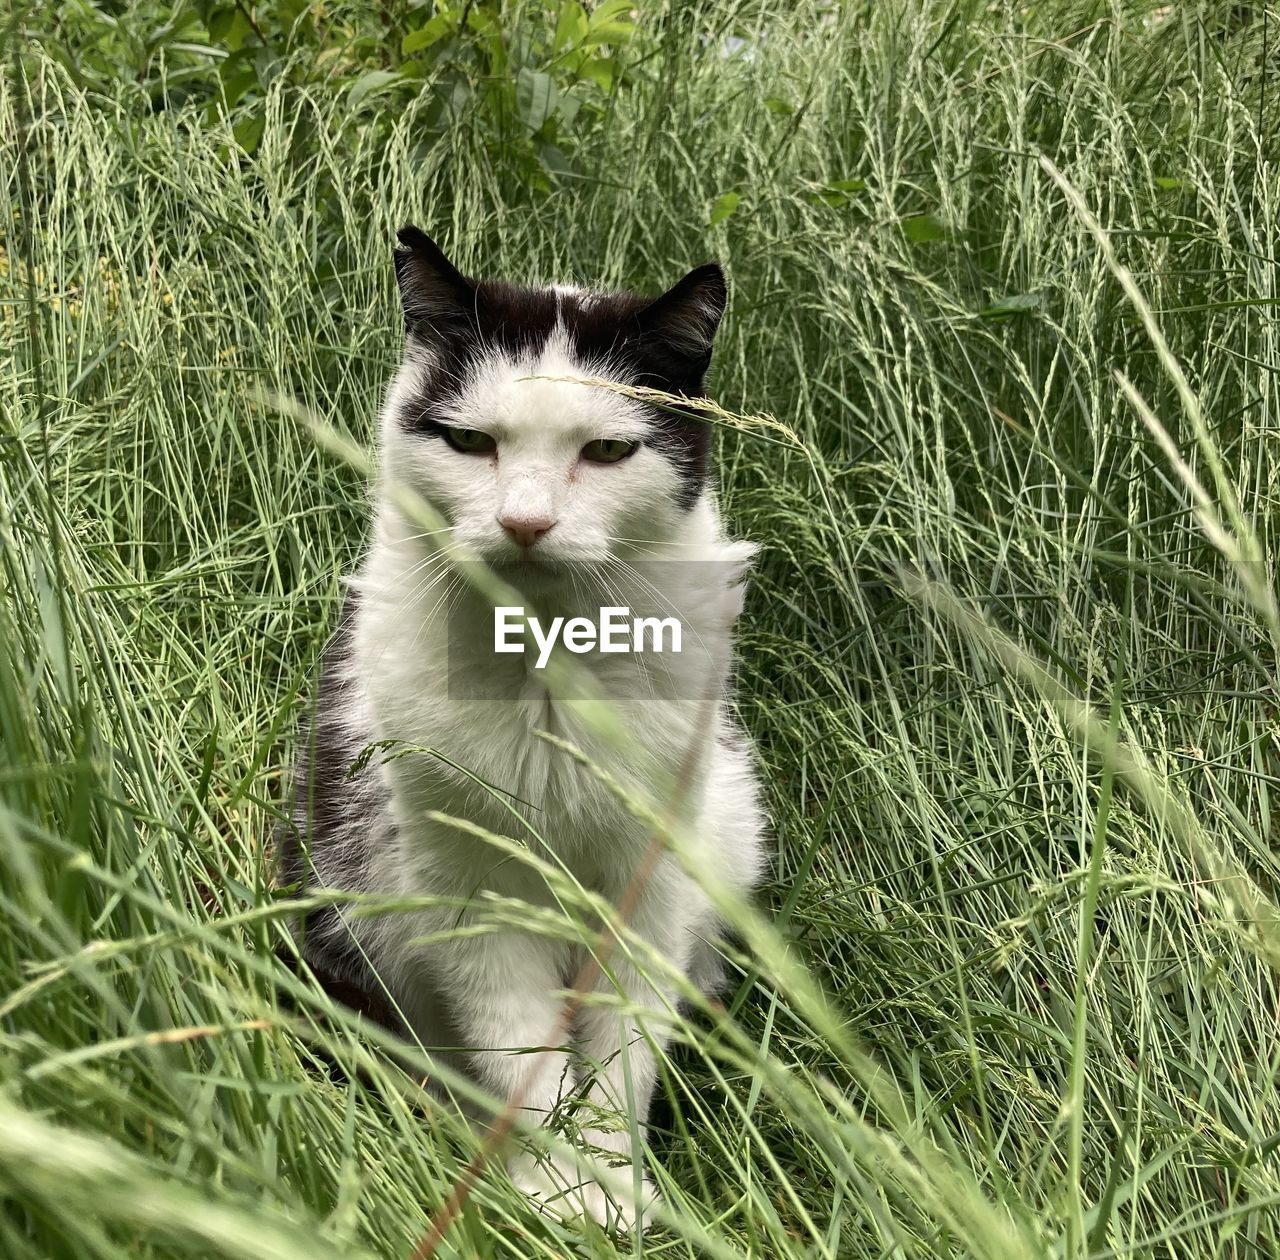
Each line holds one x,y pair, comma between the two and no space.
526,530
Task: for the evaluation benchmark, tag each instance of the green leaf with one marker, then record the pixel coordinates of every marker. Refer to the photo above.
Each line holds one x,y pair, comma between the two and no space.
601,71
776,105
485,23
248,132
1014,304
238,74
535,97
228,28
432,33
611,11
567,108
571,26
609,33
609,24
920,229
555,160
839,191
367,84
723,206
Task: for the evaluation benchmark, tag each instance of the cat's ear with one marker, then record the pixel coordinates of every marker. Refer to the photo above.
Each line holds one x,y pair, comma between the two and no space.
686,316
438,300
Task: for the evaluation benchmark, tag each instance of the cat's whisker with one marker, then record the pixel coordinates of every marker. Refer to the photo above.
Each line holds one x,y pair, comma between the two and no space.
634,577
429,620
433,567
421,592
401,606
677,612
652,542
430,533
619,598
435,560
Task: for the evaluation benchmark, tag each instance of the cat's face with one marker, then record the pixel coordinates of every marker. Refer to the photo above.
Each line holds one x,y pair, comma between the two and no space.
529,468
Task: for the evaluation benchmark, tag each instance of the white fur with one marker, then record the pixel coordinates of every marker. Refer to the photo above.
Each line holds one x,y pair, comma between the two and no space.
501,992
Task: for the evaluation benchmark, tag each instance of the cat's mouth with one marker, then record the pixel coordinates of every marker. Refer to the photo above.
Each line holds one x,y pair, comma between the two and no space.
543,559
534,566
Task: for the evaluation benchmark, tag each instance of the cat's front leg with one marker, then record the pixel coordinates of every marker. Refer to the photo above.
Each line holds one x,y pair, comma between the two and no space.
502,997
618,1053
504,1003
619,1036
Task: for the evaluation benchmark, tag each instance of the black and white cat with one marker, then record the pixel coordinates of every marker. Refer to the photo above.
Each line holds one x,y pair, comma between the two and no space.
585,496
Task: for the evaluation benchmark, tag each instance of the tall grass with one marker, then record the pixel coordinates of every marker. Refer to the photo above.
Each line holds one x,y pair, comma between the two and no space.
1011,989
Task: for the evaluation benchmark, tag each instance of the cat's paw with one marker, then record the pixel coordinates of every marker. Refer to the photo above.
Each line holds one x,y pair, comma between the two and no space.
627,1209
558,1188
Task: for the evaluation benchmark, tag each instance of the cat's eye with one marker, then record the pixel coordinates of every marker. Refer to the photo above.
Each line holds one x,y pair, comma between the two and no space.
608,450
471,441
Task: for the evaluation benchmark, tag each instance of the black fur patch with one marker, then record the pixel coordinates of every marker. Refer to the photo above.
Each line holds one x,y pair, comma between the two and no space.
322,805
661,343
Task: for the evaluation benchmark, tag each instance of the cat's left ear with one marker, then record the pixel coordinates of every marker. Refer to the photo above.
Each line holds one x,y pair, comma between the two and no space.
686,316
438,300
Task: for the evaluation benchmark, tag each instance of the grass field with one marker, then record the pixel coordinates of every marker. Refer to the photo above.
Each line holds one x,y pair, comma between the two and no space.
1010,655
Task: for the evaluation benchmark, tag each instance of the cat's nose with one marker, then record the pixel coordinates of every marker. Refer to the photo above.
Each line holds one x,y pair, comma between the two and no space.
526,530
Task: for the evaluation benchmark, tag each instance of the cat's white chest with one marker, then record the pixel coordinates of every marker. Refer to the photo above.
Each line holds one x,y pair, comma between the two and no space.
500,740
468,725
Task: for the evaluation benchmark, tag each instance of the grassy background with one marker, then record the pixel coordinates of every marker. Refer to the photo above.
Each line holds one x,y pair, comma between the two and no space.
1051,1022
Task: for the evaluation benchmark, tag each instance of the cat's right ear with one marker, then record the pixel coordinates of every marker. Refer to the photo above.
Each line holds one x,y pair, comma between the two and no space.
437,299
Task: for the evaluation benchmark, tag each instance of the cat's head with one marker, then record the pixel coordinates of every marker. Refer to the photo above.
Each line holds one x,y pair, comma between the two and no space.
542,468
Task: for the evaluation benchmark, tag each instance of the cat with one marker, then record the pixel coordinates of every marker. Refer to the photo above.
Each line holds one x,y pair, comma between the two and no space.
578,495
